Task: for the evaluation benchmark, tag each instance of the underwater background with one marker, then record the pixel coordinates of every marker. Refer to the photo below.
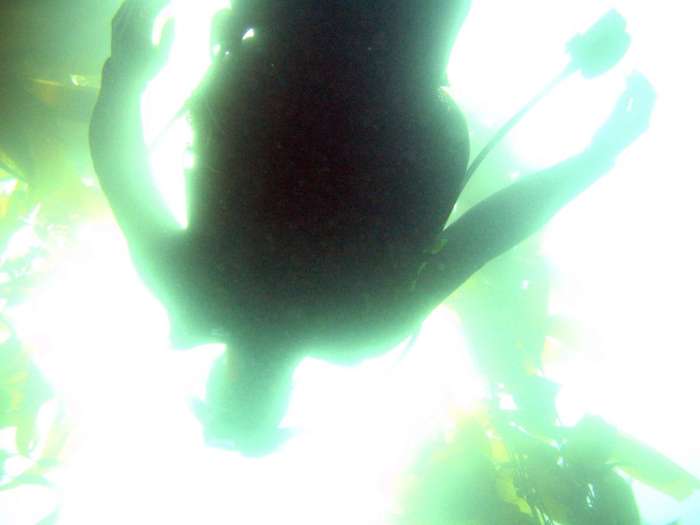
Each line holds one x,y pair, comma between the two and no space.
95,416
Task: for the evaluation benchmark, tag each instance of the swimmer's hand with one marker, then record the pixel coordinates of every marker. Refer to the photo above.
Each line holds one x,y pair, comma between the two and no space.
133,52
629,120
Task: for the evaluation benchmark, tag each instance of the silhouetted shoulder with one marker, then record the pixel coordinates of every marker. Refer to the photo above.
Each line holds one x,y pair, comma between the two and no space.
332,161
413,36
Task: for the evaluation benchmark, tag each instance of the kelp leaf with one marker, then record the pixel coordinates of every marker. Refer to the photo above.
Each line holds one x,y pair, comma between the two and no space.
614,502
654,469
26,479
541,481
55,443
458,482
71,101
26,436
33,475
8,168
535,397
508,491
555,493
590,444
23,391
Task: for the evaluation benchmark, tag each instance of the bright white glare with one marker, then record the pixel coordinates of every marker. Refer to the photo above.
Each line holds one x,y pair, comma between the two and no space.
8,186
367,422
249,34
23,240
26,505
168,161
90,316
89,181
100,339
439,350
166,94
504,57
563,124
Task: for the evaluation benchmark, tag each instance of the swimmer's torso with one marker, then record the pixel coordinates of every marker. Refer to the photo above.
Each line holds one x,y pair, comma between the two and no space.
315,209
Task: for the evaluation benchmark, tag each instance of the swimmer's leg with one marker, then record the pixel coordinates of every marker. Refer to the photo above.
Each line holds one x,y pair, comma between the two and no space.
501,221
248,394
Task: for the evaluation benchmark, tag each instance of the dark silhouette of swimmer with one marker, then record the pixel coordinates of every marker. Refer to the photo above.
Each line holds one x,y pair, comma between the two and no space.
328,161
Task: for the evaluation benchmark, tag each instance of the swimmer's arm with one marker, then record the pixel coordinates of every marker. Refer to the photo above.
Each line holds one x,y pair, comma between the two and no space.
120,158
119,154
513,214
157,246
